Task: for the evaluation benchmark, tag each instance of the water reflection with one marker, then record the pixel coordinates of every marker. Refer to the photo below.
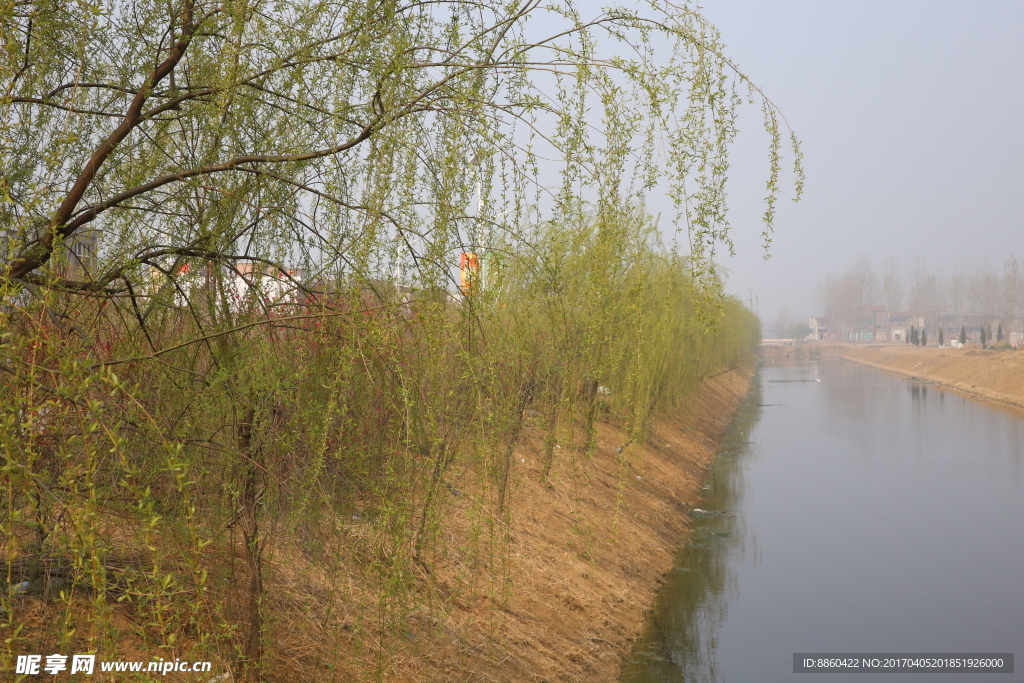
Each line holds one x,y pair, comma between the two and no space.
848,510
681,637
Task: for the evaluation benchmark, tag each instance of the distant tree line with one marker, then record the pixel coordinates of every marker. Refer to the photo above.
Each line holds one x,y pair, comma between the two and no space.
964,297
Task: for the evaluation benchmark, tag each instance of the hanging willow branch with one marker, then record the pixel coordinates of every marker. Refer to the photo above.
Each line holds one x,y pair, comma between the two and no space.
353,112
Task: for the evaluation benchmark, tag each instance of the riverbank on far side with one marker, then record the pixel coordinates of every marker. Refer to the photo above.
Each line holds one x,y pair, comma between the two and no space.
991,375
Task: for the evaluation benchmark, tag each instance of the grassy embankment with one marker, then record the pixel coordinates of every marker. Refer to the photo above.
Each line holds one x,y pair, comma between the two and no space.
588,554
364,485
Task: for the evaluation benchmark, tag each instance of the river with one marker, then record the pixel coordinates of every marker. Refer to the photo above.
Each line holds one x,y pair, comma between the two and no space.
848,511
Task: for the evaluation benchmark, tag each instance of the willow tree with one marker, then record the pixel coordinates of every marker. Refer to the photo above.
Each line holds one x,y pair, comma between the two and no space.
333,134
155,153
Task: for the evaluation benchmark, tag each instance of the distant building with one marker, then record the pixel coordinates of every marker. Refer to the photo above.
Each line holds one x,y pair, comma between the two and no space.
83,255
900,323
819,328
257,284
878,319
871,324
80,262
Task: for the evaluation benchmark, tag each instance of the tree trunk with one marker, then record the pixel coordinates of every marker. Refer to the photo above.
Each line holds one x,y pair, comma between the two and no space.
252,490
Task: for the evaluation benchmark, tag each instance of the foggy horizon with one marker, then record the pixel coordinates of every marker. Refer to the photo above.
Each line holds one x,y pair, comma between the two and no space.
908,116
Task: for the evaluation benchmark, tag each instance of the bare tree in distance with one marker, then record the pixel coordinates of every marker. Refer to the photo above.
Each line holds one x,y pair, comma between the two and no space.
957,296
1013,293
924,295
984,291
970,295
845,296
892,285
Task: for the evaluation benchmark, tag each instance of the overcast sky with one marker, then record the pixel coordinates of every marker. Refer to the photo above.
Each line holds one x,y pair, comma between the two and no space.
912,119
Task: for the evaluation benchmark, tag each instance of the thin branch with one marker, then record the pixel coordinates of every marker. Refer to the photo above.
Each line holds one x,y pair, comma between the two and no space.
239,328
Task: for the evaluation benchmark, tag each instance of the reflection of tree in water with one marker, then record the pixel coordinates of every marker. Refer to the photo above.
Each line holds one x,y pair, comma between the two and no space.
856,396
682,637
846,392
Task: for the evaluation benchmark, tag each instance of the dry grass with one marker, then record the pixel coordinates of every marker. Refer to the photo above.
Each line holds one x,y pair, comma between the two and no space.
984,373
557,591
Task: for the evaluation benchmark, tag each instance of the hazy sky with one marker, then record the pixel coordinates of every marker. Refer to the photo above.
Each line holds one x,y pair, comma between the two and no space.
912,119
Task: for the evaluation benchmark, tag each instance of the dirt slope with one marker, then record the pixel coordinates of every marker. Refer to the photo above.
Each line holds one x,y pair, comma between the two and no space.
589,555
586,552
992,375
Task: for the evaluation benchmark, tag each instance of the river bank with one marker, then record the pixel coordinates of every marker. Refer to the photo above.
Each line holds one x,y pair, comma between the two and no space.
560,592
990,375
897,471
588,554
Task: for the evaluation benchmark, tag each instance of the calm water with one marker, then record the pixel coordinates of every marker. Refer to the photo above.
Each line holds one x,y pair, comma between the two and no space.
848,510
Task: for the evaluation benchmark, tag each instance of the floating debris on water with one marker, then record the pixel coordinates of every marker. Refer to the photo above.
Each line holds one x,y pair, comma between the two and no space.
707,513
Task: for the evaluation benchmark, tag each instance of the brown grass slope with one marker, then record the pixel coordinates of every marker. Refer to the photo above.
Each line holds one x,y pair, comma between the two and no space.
988,374
589,551
582,558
